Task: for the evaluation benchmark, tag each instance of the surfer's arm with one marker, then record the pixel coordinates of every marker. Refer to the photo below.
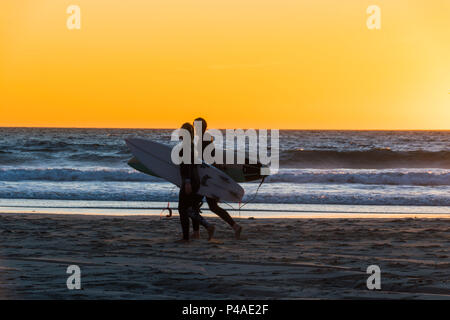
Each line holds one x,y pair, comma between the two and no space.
187,186
185,172
213,152
207,143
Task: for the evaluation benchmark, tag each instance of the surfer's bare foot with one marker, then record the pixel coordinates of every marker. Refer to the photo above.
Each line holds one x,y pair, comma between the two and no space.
195,235
237,231
211,230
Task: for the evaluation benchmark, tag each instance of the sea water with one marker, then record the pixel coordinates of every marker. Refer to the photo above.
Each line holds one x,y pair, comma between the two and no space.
72,168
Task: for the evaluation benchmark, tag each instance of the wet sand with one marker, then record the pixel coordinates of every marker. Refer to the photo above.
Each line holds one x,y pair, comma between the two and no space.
135,257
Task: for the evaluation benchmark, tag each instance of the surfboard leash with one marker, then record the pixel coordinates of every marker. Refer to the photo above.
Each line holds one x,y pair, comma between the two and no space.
168,206
168,209
254,196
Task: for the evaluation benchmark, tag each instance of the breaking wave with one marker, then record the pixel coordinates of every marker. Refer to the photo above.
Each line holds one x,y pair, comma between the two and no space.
369,159
420,177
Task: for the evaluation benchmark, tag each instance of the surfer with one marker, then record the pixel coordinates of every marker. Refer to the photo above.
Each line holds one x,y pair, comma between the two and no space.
213,203
189,201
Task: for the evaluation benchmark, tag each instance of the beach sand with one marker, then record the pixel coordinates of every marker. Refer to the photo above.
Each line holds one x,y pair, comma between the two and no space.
135,257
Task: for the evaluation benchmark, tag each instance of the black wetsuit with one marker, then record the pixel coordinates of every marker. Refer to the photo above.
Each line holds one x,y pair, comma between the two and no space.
188,204
212,203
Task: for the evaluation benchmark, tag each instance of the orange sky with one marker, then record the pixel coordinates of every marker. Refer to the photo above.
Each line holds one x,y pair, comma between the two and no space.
238,63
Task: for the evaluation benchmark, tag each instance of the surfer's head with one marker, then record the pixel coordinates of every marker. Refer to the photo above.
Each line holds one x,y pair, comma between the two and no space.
187,126
203,122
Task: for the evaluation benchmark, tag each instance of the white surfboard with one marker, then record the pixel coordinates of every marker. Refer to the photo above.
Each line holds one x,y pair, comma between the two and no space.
213,182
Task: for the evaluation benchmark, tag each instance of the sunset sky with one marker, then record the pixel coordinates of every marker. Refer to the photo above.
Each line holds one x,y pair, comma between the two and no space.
239,63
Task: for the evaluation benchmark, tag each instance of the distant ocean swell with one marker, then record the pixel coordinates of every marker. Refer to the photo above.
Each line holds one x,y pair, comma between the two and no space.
365,159
298,158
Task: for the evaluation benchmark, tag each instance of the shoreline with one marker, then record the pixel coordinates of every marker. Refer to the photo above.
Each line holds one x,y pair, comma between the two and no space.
251,210
251,216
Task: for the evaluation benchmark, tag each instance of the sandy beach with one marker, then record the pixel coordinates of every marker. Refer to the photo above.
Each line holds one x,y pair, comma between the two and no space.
135,257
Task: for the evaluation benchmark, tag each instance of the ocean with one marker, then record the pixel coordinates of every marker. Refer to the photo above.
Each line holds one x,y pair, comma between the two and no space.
352,168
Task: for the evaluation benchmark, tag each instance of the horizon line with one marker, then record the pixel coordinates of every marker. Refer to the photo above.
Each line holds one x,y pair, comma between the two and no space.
161,128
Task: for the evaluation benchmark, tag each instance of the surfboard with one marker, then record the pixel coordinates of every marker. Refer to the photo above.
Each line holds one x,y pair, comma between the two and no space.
238,172
157,156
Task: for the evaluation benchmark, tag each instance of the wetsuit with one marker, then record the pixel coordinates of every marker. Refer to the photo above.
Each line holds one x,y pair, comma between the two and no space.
188,204
212,203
